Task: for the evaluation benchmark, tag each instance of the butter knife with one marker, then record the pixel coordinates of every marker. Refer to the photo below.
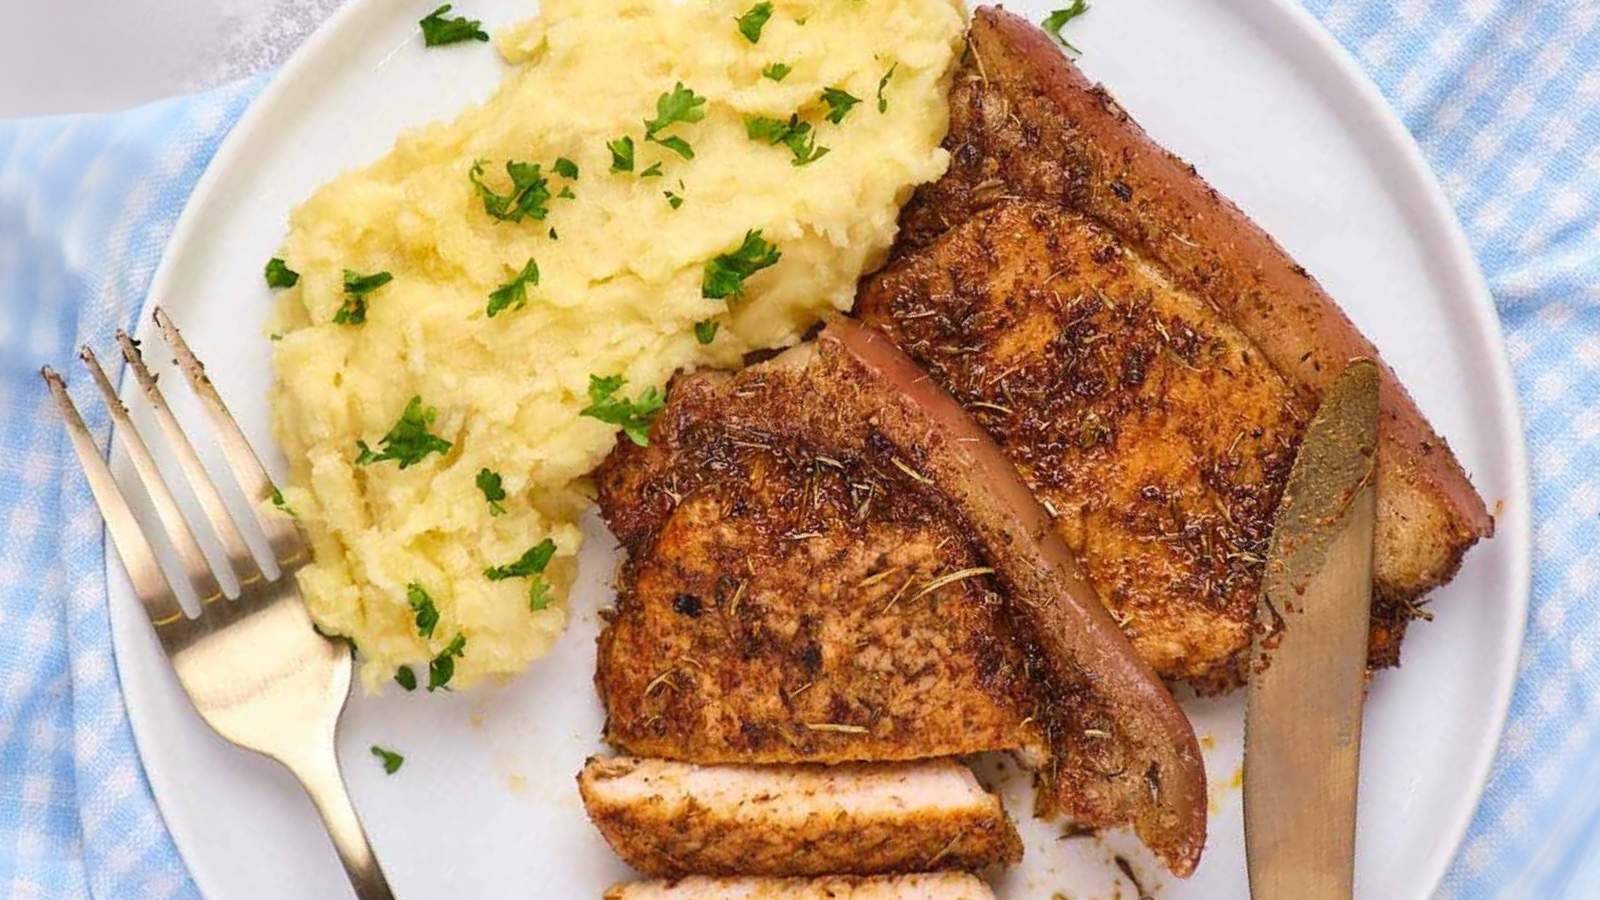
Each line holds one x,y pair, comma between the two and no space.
1302,741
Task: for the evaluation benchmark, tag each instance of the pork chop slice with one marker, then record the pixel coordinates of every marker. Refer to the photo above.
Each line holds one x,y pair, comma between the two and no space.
1152,430
828,561
1026,124
934,886
668,819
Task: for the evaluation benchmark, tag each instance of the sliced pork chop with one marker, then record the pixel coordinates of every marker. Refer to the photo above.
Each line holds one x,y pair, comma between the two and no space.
1026,124
829,561
669,819
936,886
1155,433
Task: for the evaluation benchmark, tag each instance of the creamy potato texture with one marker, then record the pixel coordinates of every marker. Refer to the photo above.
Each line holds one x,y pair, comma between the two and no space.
619,291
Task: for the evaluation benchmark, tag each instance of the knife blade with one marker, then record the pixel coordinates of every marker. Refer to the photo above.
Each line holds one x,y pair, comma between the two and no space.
1302,739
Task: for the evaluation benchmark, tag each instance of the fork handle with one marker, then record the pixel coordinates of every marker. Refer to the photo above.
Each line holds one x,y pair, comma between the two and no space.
322,780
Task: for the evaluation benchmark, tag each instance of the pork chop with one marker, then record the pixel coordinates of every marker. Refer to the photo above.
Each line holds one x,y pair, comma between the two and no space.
938,886
1026,125
829,562
668,819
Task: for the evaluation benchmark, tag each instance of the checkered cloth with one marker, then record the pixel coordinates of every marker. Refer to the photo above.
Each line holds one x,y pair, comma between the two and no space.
1503,95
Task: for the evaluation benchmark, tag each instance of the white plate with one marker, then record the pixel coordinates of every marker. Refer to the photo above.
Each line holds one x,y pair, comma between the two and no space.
1272,112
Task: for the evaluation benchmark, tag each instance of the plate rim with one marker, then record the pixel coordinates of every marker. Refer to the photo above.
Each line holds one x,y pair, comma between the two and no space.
1513,523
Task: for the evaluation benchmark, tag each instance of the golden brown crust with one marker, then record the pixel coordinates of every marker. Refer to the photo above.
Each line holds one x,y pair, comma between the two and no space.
1155,432
806,583
1025,123
920,886
863,819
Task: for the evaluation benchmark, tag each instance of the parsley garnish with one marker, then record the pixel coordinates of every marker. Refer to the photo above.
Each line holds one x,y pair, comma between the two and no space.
677,105
633,417
839,103
353,311
553,235
566,168
443,667
1054,22
705,331
406,678
493,491
391,760
653,172
777,71
725,275
437,30
529,564
281,504
423,608
514,293
673,200
280,275
408,441
751,23
621,154
794,134
538,595
530,192
883,102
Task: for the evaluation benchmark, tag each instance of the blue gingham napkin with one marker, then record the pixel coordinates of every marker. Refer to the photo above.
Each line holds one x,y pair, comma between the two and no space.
1504,96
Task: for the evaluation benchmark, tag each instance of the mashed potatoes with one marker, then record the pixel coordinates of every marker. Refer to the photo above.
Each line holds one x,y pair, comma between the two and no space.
621,264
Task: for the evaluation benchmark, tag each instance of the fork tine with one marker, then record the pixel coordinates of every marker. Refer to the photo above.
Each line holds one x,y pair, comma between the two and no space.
195,565
205,490
281,532
149,582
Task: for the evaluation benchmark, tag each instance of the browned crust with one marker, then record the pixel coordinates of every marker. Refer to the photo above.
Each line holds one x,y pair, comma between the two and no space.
765,836
1079,148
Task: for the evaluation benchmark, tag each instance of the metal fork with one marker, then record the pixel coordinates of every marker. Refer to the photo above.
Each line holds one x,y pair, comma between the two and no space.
256,670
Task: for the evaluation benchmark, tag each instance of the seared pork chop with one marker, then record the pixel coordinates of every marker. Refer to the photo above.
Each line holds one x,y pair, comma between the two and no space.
1155,433
829,562
1025,124
938,886
669,819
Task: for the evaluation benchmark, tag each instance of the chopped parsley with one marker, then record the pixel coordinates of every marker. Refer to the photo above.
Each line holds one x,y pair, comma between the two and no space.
705,331
794,134
621,154
280,275
391,760
493,491
281,504
437,30
653,172
883,102
538,595
777,71
725,275
423,609
529,564
529,196
553,235
514,293
442,668
353,311
566,168
632,416
673,200
839,103
406,678
677,105
408,441
751,23
1054,22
